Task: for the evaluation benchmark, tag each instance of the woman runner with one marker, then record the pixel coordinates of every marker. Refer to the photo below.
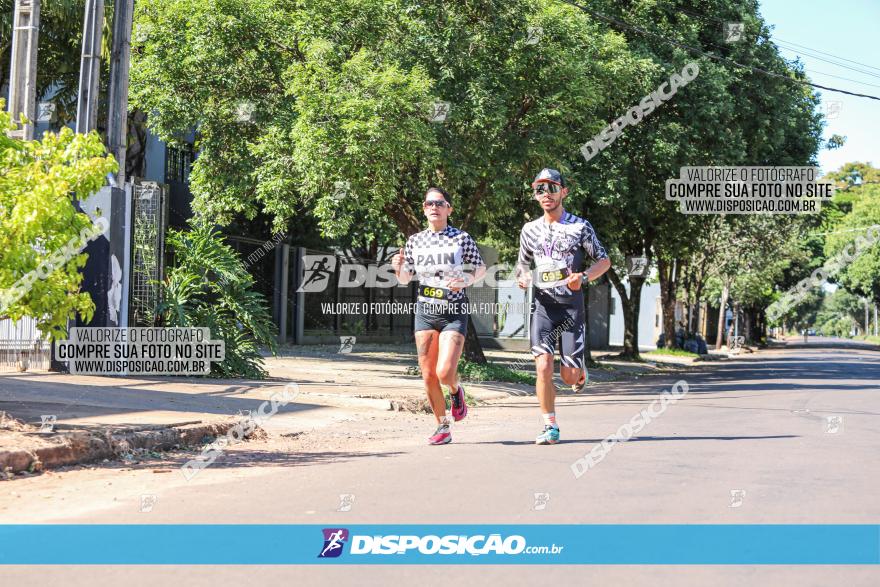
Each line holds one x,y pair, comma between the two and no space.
436,257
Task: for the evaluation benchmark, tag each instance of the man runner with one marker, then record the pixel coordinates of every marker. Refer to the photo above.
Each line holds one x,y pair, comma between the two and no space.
437,256
556,242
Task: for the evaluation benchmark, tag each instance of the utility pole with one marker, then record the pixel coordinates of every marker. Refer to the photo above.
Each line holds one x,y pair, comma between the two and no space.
23,67
120,57
106,274
867,330
876,328
90,68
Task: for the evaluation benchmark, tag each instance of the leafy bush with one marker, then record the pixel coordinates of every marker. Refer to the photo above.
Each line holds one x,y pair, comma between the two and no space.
39,182
210,287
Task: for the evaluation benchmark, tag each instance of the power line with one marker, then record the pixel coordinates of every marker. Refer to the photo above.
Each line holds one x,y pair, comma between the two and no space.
841,77
777,40
779,43
798,53
667,40
825,53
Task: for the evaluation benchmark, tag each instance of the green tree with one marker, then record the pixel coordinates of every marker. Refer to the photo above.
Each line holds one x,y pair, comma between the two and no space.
39,183
726,116
839,314
59,51
861,276
344,92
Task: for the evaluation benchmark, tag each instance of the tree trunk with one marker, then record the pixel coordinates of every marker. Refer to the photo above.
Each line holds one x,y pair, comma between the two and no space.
762,325
473,350
722,312
631,304
747,325
687,286
698,294
135,157
667,299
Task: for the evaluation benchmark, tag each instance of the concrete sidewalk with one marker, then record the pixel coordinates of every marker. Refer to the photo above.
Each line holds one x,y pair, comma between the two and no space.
369,379
332,387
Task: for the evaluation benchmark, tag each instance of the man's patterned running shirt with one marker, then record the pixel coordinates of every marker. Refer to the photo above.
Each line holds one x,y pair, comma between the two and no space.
565,241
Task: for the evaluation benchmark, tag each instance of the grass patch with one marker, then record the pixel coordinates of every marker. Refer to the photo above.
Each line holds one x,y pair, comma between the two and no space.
476,373
672,353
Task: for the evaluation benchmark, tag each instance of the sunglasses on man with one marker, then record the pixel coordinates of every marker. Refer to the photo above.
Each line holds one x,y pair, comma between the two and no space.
436,203
546,188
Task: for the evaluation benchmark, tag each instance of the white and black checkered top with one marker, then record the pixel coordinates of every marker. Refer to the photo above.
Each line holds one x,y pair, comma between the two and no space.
566,240
436,257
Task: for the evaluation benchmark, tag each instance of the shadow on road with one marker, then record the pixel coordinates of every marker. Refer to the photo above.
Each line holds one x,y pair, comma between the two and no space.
637,439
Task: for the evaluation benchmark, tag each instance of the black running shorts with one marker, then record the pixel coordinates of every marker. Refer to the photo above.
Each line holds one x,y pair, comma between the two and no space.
451,317
559,325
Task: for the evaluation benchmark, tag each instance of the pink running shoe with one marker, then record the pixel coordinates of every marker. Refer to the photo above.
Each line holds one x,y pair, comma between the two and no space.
441,436
459,406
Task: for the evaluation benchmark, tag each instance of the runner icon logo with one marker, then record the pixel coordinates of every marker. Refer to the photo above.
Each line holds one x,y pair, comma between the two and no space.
317,270
334,540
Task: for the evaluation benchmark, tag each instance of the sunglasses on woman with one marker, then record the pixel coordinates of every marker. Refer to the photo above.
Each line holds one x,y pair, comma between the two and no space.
435,203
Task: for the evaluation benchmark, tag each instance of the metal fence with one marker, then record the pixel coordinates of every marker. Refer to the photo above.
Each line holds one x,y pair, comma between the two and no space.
326,306
22,346
320,313
150,220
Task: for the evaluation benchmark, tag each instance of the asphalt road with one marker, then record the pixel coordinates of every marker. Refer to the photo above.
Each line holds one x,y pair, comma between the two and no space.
783,436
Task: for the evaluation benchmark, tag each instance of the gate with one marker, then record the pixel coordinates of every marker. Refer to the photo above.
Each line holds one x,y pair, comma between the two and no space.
22,346
149,222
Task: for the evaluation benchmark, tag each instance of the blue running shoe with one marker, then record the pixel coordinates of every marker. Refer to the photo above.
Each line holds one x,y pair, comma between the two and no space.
550,435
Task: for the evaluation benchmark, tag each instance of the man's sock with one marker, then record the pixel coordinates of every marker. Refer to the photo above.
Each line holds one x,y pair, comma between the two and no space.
550,419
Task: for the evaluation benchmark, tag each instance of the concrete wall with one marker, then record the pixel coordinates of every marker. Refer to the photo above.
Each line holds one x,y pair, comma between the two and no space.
650,317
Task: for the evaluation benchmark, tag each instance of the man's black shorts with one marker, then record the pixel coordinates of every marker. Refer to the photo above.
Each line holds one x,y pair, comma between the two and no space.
559,325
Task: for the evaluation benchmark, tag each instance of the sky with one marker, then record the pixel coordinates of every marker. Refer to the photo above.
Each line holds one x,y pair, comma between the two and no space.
846,29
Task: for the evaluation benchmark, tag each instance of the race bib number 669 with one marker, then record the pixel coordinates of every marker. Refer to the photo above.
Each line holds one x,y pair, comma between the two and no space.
435,294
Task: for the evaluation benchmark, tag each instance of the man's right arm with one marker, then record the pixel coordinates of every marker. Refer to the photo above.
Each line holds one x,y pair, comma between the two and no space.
524,261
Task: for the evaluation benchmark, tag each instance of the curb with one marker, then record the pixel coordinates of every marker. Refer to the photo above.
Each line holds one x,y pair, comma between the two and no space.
79,446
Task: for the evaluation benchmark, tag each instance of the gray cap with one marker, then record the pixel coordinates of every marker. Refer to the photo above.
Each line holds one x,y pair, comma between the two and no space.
550,175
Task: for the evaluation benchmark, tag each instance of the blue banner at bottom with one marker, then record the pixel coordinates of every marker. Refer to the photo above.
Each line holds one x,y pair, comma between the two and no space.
265,544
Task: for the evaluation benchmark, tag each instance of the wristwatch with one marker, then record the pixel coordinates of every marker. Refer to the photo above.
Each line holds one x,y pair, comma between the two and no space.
585,279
